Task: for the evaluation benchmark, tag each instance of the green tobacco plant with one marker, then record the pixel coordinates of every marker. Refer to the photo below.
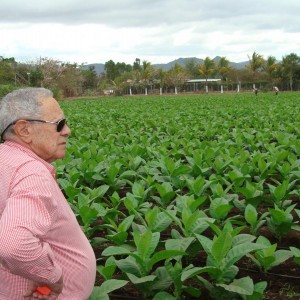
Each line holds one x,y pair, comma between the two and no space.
138,264
239,288
219,208
191,220
281,192
87,211
252,192
166,194
175,272
108,269
220,163
281,221
110,175
268,257
118,232
254,220
238,175
136,202
173,169
157,220
175,269
223,252
198,187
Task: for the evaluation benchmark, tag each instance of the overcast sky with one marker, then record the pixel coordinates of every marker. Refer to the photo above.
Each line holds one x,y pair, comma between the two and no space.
159,31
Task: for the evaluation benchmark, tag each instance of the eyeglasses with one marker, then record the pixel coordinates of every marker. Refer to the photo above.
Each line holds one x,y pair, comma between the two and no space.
60,124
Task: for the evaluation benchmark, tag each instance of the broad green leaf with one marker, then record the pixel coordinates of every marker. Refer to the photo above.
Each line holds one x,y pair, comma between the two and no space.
101,292
119,238
130,265
242,286
136,280
281,256
163,255
143,243
205,242
220,246
280,192
88,215
237,252
251,214
181,244
198,270
111,285
242,238
126,223
113,250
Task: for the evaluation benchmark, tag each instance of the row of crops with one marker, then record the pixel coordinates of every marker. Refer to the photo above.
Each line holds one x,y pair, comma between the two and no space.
174,192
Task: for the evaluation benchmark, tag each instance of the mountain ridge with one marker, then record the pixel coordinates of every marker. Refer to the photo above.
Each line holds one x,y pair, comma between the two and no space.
99,67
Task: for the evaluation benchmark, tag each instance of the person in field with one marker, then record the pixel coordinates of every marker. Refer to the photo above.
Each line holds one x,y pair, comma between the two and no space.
276,89
43,252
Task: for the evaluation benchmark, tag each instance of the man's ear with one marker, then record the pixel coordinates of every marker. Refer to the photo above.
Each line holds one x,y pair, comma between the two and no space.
23,130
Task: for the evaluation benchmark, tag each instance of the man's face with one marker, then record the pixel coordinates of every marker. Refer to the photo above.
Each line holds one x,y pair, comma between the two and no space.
46,142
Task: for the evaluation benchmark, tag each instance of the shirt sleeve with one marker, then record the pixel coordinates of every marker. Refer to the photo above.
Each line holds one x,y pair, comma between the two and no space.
26,219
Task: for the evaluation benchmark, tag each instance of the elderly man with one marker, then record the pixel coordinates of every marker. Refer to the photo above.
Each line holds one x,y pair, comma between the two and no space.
41,243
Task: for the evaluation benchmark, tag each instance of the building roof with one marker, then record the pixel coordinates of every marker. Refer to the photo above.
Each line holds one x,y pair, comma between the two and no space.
202,80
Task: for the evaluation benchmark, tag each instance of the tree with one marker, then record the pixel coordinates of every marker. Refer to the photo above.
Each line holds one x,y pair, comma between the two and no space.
90,79
122,68
161,77
110,70
191,68
256,62
176,76
223,68
71,80
147,73
290,66
207,68
7,70
137,65
270,67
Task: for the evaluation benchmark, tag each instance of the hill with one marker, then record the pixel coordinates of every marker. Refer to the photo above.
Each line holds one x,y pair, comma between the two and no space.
99,67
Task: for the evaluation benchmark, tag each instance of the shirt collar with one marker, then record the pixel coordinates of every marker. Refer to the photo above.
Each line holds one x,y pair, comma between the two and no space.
30,153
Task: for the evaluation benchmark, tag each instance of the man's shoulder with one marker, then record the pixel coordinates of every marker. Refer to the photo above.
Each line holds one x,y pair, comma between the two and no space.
13,155
14,159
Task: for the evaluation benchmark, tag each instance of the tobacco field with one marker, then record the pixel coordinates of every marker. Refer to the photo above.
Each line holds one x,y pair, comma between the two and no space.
188,197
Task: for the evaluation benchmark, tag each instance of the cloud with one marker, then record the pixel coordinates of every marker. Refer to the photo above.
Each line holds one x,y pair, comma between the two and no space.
158,31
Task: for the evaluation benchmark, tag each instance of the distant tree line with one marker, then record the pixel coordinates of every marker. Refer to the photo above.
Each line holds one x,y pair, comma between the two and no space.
72,80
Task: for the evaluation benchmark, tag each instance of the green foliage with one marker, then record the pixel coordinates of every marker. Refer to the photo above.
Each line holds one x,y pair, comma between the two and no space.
5,89
280,221
255,221
155,179
101,292
269,257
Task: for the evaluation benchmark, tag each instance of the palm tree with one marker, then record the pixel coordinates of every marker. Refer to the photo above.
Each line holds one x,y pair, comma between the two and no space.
256,62
223,67
207,68
147,73
270,65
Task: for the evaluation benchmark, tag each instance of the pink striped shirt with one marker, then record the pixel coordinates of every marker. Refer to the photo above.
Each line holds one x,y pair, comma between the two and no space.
40,238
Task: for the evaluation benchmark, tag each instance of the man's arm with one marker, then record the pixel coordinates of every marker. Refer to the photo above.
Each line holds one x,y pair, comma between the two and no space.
23,244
